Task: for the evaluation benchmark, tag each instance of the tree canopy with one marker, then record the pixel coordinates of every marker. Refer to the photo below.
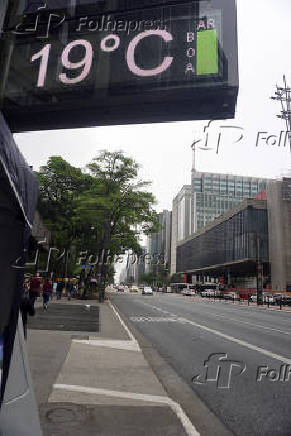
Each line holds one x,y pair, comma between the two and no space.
105,200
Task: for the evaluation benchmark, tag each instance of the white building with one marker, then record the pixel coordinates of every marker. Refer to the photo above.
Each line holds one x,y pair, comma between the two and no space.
181,221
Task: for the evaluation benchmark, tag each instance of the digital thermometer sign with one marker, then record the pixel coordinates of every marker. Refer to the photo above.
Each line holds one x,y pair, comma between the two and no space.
78,66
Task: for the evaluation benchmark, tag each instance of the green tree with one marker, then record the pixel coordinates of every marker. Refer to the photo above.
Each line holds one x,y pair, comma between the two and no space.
59,184
104,210
176,278
117,205
147,278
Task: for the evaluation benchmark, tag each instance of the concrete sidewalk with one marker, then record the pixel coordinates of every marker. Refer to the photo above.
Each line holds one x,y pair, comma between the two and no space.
99,383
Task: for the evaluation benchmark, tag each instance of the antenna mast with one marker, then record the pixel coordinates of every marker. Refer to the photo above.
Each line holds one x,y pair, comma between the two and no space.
283,94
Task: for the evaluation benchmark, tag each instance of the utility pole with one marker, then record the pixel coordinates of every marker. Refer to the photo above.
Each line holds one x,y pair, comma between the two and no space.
283,94
105,266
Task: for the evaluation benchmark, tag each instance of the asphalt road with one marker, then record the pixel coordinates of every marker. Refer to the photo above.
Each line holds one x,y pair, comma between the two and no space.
250,342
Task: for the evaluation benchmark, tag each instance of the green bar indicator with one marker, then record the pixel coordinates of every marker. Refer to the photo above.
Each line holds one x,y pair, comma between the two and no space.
207,52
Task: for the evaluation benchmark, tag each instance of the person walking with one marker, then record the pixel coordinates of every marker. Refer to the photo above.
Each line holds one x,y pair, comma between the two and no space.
47,291
69,289
59,289
34,288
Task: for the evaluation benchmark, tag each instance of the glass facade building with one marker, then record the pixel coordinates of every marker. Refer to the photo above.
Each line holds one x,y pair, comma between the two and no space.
239,238
214,194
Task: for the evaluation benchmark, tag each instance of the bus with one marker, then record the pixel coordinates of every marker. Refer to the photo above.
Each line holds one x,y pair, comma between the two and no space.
177,288
215,287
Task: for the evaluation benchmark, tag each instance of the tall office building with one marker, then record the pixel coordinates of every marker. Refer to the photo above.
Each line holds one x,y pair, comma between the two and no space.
209,196
256,233
279,218
159,243
135,267
181,221
213,194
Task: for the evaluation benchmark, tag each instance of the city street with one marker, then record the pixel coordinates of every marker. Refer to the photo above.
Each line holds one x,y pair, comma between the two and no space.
145,218
239,386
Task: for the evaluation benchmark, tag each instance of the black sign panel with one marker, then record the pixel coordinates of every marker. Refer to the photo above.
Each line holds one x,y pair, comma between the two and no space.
83,63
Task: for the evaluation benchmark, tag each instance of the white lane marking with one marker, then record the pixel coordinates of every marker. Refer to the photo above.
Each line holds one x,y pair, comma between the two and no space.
238,341
158,308
188,426
248,323
132,338
231,319
232,339
151,319
155,307
235,320
118,345
207,302
241,307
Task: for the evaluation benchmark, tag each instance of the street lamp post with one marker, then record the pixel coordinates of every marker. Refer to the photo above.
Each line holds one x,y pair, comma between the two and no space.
259,266
104,267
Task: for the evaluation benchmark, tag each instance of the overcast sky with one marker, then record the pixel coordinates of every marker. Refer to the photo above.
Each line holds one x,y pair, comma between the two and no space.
163,150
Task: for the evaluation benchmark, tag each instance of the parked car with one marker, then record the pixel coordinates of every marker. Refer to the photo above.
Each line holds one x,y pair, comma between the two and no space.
189,292
253,298
208,293
212,293
286,300
231,296
268,298
277,297
147,291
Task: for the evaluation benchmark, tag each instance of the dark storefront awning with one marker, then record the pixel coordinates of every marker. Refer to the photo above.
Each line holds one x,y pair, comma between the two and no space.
18,196
240,268
22,183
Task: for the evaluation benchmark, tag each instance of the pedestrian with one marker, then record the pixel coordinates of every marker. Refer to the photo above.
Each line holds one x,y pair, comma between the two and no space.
26,308
47,291
59,289
69,289
34,288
